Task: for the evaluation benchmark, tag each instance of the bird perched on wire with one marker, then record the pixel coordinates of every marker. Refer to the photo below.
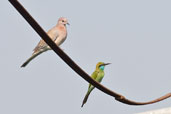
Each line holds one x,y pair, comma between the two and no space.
97,75
58,34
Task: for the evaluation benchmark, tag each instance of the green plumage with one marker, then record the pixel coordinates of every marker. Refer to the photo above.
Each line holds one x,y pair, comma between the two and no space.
97,75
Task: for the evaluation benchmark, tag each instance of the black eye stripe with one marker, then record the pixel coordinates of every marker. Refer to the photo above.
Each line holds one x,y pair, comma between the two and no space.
100,65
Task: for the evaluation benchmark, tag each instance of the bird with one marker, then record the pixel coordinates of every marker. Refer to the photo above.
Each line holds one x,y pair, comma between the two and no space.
97,75
58,34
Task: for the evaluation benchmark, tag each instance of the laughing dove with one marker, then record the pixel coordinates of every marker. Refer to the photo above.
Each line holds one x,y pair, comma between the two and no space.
58,34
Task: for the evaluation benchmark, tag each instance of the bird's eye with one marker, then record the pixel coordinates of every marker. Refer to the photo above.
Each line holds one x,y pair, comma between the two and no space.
63,21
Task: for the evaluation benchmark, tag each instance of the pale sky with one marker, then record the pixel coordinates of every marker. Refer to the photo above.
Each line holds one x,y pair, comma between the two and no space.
133,35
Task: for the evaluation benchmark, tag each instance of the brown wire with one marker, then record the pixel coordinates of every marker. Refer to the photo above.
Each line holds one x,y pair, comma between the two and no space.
71,63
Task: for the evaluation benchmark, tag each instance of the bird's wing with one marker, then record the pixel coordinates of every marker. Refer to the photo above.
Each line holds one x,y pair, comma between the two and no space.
93,75
99,77
52,33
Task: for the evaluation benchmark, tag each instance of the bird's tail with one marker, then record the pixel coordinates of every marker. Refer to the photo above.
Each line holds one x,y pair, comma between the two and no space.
86,97
32,57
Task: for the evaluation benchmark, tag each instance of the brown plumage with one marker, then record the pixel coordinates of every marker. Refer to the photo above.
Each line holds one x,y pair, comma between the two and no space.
58,34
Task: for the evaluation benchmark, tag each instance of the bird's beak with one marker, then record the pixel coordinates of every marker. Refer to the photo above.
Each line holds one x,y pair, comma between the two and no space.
107,64
68,24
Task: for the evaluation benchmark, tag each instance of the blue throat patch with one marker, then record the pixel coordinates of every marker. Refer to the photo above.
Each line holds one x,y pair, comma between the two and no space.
102,67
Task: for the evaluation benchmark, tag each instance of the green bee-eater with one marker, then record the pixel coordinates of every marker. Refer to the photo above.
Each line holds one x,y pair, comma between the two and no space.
97,75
